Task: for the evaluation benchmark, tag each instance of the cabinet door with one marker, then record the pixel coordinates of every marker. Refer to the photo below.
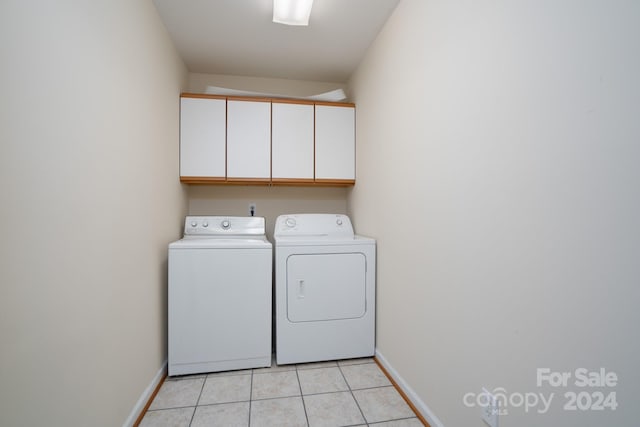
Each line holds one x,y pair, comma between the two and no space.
335,142
248,139
292,141
202,137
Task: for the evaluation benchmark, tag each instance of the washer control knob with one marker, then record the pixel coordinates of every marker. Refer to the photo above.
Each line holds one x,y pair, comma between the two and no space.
225,224
205,224
339,221
193,223
290,222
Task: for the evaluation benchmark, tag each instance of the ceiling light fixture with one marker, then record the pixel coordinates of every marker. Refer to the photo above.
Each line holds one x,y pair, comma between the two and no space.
292,12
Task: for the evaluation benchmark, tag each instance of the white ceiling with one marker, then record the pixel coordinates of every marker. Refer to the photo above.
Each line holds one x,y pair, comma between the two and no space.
237,37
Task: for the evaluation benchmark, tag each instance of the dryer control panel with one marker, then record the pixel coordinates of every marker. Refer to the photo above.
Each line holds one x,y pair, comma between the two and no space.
316,225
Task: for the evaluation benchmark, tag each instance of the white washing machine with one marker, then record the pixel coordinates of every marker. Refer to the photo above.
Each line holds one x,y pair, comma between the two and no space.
325,289
220,304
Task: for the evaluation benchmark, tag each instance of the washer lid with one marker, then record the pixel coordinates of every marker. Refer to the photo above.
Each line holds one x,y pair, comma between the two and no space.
192,242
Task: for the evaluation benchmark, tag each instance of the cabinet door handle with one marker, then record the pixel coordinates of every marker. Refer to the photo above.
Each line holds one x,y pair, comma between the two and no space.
300,289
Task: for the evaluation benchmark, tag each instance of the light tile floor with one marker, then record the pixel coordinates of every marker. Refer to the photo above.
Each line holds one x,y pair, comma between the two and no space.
325,394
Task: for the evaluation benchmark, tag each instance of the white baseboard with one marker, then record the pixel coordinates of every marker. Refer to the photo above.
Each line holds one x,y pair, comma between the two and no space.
146,395
413,397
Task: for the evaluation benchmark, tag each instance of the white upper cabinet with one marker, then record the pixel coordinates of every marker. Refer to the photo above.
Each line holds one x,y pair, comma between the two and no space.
292,141
266,141
335,142
248,139
202,137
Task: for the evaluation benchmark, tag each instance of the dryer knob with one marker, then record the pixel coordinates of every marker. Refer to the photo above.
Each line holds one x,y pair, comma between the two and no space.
205,224
339,221
290,222
193,223
225,224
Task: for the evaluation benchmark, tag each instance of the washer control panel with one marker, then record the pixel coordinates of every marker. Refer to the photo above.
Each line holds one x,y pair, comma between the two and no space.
316,225
224,225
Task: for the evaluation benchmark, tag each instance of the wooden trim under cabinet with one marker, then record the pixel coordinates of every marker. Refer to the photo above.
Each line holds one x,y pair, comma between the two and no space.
248,181
292,181
335,182
224,181
203,179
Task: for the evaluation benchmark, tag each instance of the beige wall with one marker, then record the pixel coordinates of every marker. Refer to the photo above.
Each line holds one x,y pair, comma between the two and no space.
89,201
509,131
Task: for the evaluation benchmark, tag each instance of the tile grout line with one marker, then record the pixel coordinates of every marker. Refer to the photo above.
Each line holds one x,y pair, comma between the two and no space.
250,399
393,420
170,409
212,404
304,406
201,390
332,392
352,395
275,398
198,401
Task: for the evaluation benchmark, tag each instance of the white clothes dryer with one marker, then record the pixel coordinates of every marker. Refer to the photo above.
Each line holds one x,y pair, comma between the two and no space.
220,305
325,289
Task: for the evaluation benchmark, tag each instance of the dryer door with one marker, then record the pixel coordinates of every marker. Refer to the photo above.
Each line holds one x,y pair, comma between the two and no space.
326,286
